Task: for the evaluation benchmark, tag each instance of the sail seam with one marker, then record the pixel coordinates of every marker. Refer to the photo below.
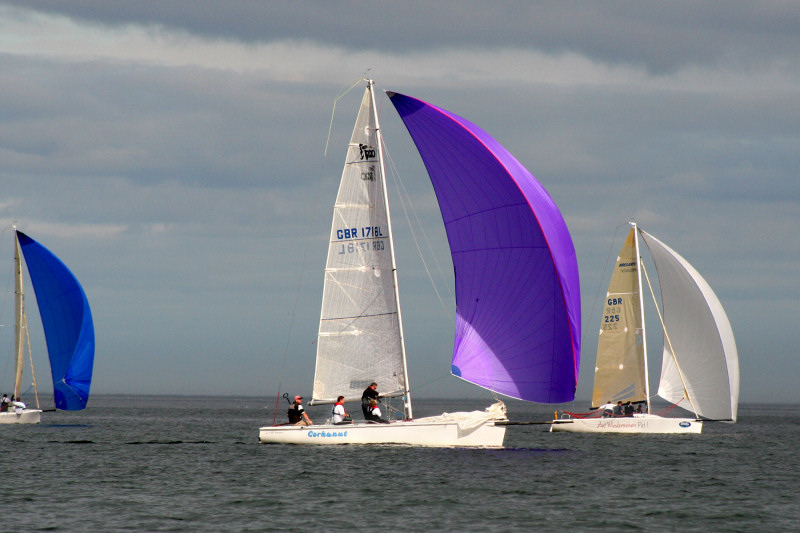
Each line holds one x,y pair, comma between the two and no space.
358,316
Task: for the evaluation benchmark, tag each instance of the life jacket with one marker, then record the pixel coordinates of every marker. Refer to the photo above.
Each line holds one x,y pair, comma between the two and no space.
295,414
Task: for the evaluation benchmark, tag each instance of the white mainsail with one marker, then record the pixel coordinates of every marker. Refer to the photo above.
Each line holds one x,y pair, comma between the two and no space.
360,332
700,335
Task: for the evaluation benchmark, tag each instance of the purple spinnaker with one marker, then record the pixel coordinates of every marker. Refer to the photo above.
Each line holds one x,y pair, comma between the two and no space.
516,273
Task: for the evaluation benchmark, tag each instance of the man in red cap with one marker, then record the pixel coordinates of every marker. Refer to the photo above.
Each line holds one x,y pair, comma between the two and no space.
297,413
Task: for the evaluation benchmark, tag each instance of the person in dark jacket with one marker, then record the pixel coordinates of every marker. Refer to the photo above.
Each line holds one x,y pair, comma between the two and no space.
629,409
297,413
370,393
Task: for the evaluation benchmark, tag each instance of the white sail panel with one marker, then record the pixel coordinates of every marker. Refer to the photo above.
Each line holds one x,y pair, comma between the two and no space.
359,332
700,335
619,372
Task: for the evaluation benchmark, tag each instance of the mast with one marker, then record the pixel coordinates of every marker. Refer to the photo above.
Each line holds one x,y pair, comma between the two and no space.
641,311
19,312
406,389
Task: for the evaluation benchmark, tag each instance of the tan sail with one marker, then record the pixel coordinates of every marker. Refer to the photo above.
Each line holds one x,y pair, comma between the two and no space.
620,373
20,321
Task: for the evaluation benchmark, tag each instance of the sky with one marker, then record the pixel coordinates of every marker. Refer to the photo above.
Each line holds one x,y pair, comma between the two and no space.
173,155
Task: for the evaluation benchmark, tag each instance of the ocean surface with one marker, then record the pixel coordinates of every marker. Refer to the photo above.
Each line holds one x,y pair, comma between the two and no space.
190,464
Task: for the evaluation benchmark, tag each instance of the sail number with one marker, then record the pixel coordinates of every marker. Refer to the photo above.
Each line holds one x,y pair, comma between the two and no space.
351,247
359,233
611,316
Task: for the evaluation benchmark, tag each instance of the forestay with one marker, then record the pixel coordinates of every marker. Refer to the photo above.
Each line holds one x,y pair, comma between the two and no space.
516,273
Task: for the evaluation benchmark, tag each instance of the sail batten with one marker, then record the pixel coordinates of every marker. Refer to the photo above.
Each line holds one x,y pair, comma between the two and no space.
517,290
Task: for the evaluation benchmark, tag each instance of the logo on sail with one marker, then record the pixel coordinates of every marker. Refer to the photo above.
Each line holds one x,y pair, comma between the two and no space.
369,175
367,152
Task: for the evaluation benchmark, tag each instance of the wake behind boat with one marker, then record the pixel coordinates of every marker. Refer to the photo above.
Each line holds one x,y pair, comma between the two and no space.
700,366
517,291
68,328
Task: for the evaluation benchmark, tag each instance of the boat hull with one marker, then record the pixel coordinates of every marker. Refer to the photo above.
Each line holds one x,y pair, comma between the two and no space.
28,416
412,433
636,424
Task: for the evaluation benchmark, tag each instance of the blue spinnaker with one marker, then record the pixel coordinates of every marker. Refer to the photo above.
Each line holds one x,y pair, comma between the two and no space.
67,323
516,272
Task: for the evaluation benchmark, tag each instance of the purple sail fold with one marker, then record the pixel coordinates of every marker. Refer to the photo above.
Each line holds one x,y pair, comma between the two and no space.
516,273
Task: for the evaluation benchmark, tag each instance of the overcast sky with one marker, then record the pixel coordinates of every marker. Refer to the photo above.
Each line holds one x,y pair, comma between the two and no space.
172,154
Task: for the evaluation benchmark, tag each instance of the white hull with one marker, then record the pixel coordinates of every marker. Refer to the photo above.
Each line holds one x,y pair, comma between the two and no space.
635,424
413,433
28,416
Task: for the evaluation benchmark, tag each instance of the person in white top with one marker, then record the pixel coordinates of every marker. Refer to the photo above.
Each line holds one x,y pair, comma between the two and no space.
19,405
606,410
375,412
339,412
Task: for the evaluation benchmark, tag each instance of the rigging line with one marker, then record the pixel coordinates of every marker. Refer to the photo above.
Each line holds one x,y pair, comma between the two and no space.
430,382
405,202
603,277
669,342
333,110
603,281
30,356
309,232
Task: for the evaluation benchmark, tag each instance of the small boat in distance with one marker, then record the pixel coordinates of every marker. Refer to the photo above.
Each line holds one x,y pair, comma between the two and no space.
517,292
700,365
67,324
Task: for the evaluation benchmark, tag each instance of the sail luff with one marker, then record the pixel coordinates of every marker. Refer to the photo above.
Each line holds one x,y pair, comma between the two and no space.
669,350
642,321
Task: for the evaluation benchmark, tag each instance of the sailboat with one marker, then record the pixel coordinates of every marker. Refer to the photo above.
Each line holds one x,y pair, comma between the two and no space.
516,283
68,329
700,365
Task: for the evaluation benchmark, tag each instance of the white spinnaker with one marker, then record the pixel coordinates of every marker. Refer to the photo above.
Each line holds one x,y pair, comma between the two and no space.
359,333
700,334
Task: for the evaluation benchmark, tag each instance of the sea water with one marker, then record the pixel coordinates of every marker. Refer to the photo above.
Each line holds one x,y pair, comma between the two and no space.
195,464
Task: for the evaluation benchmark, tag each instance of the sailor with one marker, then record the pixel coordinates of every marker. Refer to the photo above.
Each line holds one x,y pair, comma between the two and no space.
340,416
297,413
370,393
375,412
19,406
629,409
607,409
4,403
